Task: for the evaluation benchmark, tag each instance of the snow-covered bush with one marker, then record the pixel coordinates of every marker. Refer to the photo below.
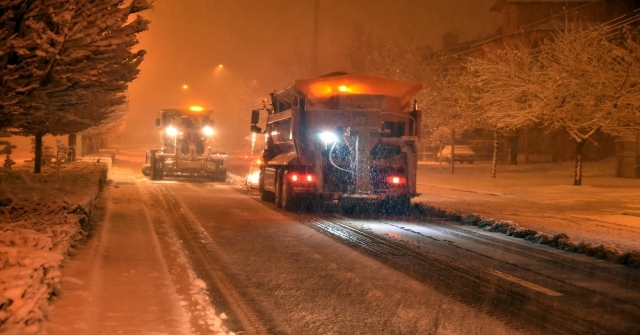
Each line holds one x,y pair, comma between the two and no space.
560,241
41,217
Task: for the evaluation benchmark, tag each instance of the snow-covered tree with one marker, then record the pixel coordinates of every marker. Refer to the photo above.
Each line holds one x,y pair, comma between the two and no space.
392,59
6,148
593,84
449,103
580,80
32,33
90,71
507,84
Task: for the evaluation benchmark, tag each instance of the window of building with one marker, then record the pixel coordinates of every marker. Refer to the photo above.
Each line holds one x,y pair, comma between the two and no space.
512,17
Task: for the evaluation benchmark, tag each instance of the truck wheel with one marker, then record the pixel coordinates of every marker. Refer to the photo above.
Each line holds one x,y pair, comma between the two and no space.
156,166
264,194
219,175
402,205
279,189
288,199
146,170
395,205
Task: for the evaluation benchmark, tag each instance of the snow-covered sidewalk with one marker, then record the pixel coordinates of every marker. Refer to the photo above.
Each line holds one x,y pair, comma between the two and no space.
81,252
118,282
604,213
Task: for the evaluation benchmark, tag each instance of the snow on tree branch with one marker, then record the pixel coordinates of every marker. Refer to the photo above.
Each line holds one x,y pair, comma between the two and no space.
66,65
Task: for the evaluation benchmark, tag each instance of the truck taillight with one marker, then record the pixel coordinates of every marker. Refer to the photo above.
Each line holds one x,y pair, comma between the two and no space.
396,180
298,178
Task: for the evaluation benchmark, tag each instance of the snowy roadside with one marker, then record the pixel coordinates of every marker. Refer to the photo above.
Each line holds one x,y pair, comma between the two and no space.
42,216
534,202
561,241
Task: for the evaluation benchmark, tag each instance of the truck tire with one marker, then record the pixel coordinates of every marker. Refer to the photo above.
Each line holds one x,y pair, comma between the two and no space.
156,166
402,205
278,199
220,175
395,205
264,194
288,198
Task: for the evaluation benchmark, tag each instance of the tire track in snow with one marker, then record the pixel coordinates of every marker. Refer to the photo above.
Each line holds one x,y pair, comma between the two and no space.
471,284
226,297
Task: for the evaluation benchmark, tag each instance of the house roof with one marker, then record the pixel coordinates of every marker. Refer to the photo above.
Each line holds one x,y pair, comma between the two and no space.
501,3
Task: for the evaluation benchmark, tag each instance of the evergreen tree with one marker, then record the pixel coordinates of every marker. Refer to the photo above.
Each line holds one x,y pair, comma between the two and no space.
89,73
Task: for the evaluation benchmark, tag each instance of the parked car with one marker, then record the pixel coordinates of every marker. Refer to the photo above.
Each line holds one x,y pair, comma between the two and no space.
462,153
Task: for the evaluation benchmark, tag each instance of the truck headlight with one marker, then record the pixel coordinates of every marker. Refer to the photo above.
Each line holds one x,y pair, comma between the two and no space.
207,130
254,177
171,131
328,137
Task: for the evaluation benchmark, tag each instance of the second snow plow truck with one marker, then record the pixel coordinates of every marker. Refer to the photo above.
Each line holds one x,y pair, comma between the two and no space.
342,138
187,140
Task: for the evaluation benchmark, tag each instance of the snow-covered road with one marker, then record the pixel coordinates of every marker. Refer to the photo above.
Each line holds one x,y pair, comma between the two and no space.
537,287
292,278
299,281
208,258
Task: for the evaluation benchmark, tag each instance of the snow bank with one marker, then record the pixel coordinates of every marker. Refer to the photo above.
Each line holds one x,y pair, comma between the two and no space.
41,217
560,241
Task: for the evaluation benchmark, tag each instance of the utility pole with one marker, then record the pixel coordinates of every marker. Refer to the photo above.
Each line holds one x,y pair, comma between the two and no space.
316,38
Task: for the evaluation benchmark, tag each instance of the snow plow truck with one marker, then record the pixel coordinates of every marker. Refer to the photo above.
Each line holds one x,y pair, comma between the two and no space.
346,139
186,142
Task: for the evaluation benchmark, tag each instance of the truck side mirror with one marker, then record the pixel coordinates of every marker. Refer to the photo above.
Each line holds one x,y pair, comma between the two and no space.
256,129
158,123
255,117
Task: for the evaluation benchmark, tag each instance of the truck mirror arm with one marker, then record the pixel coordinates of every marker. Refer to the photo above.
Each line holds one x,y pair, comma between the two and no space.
256,129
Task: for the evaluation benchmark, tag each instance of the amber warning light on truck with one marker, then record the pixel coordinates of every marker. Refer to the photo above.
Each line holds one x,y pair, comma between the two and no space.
325,90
